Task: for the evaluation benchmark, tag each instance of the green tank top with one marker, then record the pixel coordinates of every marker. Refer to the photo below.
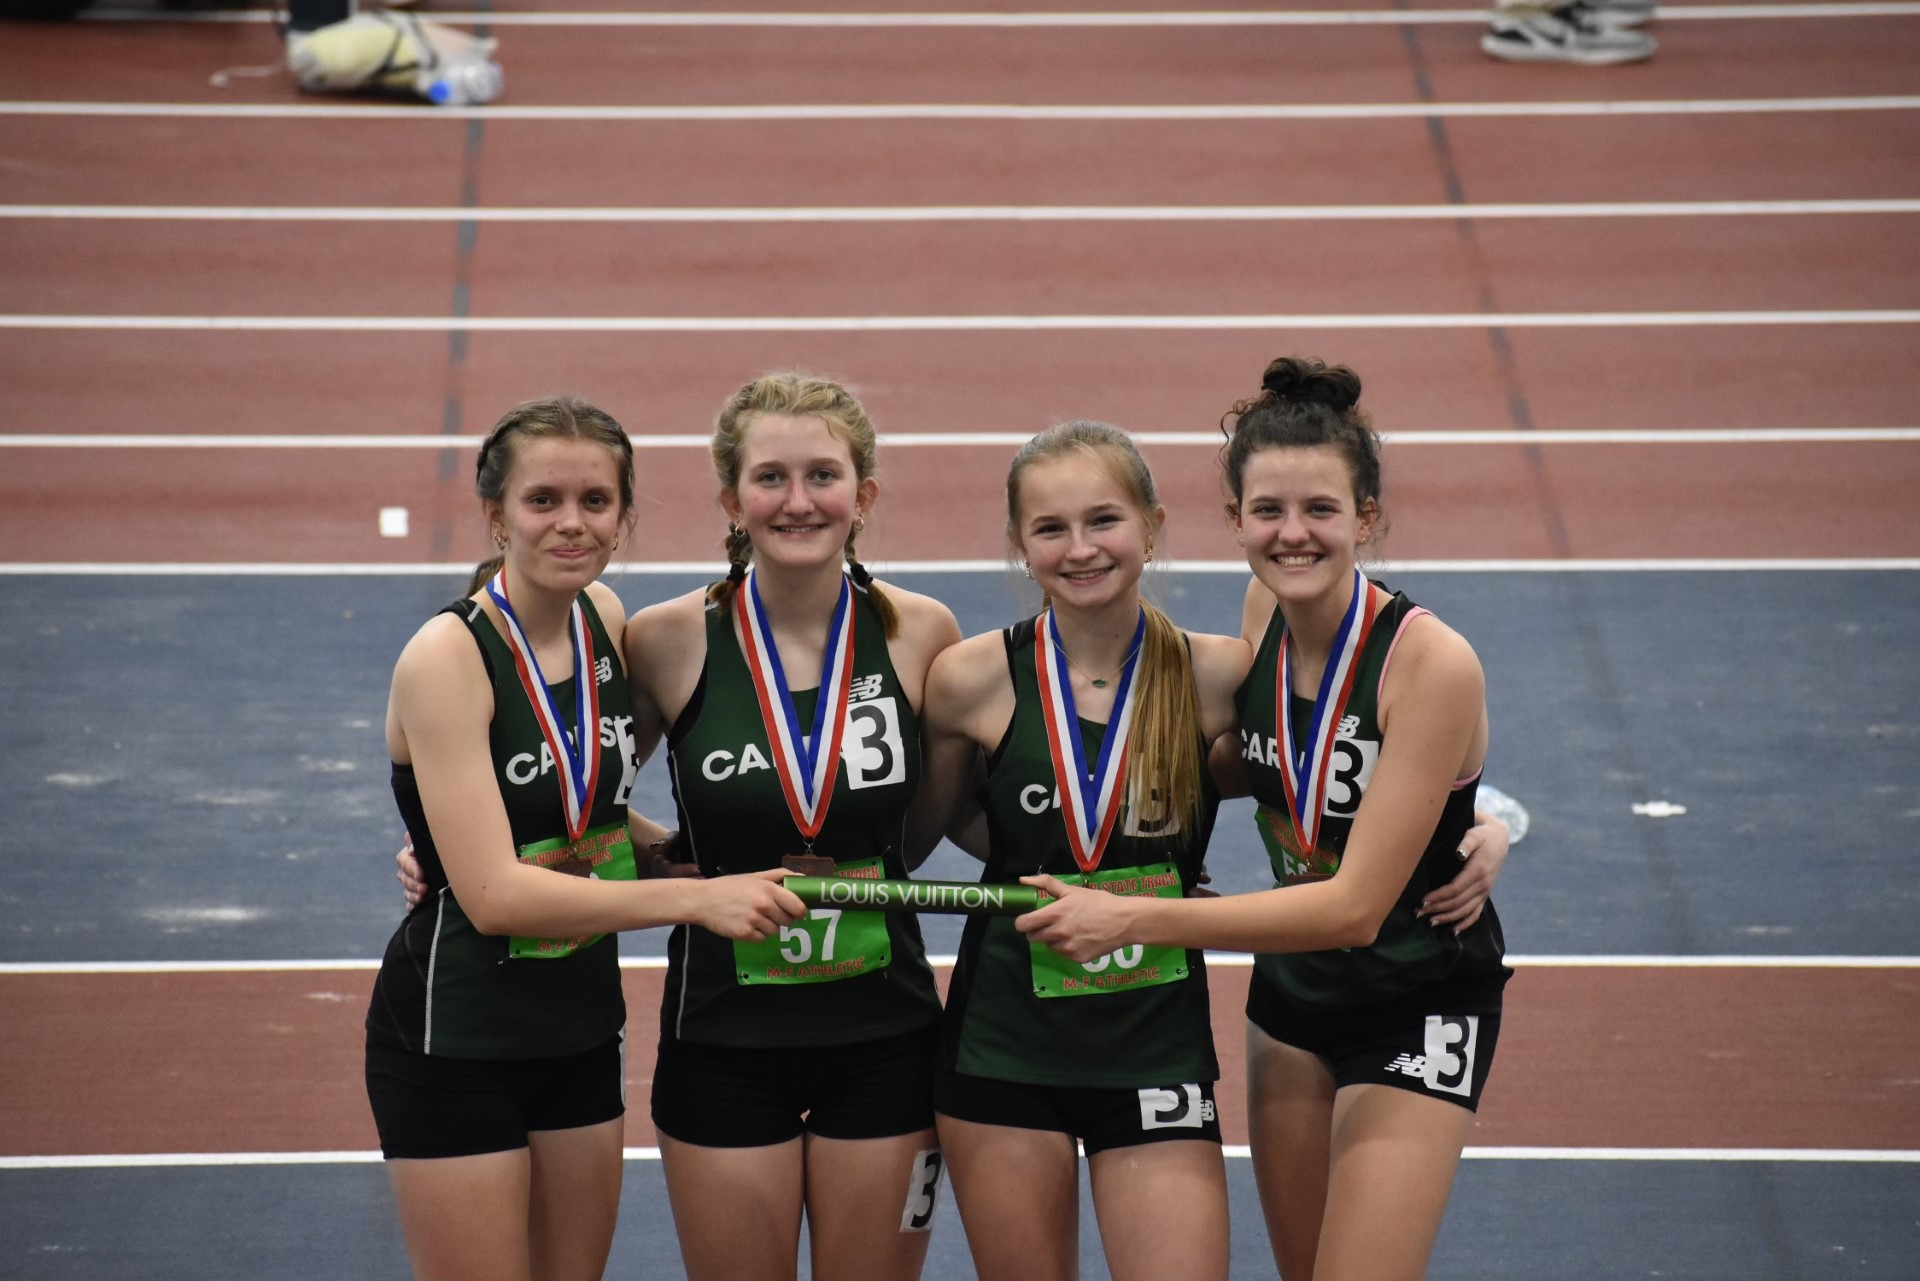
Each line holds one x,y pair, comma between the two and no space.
839,978
1020,1012
446,989
1409,955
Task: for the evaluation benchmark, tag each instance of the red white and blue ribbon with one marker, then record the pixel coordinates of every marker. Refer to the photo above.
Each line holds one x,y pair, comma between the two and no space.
1304,772
806,763
576,756
1091,796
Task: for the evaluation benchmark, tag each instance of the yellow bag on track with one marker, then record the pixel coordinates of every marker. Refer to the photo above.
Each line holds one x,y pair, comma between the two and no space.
399,53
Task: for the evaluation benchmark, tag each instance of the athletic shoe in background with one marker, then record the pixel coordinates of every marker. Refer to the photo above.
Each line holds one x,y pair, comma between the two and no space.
1588,33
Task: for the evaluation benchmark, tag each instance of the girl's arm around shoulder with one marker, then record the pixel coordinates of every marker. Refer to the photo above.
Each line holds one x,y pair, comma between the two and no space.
1220,664
666,649
927,629
1256,611
962,686
969,690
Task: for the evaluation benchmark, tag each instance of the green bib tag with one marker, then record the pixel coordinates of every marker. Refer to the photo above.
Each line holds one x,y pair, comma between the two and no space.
1135,965
603,852
831,943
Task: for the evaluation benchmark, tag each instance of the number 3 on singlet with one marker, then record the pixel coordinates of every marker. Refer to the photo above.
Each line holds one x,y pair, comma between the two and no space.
874,753
1348,773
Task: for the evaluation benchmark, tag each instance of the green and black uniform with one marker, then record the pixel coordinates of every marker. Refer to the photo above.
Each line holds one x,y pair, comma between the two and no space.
1021,1012
446,989
838,980
1414,973
475,1040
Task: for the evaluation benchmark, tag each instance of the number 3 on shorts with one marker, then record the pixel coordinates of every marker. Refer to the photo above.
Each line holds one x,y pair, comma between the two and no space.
923,1191
1448,1066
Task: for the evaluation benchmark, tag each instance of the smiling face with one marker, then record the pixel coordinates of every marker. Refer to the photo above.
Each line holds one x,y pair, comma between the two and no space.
1081,531
799,491
560,511
1299,520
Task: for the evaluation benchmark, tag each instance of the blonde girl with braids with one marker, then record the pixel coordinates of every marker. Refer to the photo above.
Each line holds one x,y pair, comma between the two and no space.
1375,1005
794,1076
1039,1053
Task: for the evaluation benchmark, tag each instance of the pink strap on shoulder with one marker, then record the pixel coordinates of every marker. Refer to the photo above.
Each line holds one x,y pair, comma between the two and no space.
1398,632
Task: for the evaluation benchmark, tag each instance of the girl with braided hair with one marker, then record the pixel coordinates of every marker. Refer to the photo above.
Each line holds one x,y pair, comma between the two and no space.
794,1074
1362,732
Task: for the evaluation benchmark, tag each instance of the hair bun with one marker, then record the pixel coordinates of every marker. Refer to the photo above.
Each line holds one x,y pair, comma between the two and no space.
1306,381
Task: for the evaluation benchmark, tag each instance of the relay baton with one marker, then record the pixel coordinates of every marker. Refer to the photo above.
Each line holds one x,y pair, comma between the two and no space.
968,897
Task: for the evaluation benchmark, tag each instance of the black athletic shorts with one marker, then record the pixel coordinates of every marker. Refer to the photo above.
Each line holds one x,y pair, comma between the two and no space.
429,1106
1439,1044
721,1097
1100,1118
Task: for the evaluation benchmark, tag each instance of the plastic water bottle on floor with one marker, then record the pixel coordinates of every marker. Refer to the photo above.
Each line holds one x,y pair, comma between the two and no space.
462,82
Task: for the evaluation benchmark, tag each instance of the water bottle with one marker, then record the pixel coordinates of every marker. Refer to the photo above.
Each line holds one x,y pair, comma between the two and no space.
1506,809
461,82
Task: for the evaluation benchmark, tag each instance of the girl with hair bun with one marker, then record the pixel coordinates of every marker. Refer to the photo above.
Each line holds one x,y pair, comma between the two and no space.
1094,720
1374,1009
794,1073
495,1058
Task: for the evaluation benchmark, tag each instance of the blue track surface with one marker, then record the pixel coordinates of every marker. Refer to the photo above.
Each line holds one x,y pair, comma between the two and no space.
193,766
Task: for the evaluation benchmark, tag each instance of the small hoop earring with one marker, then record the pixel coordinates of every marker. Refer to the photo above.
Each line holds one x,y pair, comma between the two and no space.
1149,553
734,530
499,540
859,523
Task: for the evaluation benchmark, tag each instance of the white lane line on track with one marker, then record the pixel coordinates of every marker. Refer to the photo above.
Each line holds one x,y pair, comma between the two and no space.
993,439
1239,1151
1227,959
961,324
965,213
1038,18
966,111
460,569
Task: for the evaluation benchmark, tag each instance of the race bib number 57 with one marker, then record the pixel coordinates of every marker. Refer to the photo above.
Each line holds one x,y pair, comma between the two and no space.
829,943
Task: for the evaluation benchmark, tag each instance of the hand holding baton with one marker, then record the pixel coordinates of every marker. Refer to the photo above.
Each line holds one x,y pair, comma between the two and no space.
965,897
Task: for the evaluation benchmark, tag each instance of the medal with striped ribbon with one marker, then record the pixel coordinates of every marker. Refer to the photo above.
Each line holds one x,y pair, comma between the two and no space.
1304,773
1090,797
806,763
576,756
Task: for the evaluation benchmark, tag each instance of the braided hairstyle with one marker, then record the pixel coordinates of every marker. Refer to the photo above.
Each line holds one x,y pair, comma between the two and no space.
1162,743
1304,403
794,395
549,418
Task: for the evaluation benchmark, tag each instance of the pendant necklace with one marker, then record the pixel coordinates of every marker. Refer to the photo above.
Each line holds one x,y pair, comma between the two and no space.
1100,682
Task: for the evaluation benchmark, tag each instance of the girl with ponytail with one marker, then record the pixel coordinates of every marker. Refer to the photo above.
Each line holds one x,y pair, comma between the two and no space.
1374,1009
1094,720
794,1075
